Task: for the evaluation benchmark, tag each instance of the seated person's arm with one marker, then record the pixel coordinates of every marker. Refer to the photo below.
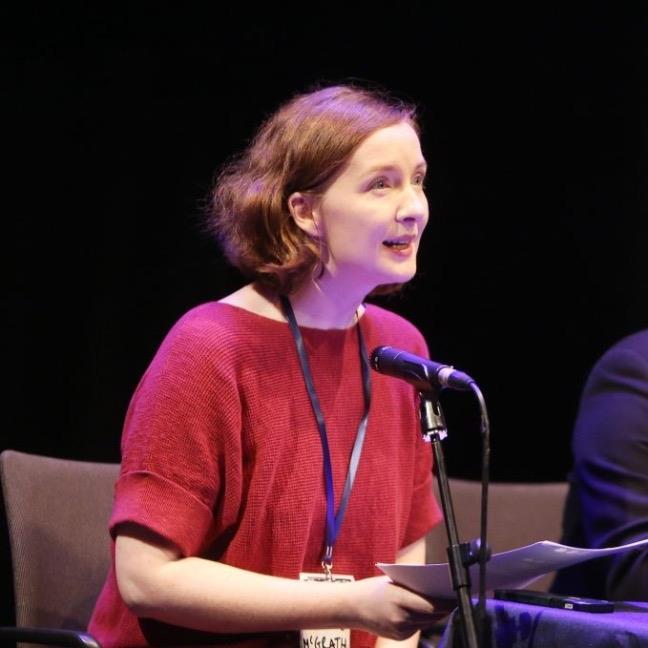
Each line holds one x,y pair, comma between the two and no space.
611,465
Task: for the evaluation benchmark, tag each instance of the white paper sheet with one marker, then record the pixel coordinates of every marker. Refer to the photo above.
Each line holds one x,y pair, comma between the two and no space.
514,569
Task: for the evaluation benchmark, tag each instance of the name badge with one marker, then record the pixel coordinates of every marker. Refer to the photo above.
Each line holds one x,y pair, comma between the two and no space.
326,637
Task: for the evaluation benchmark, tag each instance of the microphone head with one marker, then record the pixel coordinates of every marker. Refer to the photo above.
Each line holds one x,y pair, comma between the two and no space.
402,364
420,372
377,355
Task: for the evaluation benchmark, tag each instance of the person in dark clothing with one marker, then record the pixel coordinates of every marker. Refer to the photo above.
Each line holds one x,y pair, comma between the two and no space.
607,503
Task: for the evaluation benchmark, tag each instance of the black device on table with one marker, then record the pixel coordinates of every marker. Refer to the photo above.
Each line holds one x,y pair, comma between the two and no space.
548,599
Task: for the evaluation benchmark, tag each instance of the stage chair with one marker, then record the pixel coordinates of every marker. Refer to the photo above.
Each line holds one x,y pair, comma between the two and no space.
56,518
519,514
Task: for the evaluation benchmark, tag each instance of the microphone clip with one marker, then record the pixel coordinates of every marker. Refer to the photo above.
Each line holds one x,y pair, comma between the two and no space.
433,425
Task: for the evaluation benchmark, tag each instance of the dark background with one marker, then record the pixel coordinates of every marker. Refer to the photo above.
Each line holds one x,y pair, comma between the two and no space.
115,119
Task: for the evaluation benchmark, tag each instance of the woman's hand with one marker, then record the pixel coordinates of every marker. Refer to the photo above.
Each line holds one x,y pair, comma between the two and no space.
391,611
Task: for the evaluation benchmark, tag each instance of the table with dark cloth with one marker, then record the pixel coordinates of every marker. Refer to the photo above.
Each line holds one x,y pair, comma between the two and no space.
517,625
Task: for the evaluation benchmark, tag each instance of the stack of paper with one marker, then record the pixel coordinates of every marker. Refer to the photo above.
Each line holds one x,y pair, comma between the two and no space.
513,569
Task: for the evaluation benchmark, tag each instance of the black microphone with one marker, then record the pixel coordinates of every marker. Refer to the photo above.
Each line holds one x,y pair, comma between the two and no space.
422,373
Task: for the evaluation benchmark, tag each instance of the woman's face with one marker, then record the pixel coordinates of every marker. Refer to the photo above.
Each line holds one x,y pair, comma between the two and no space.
371,218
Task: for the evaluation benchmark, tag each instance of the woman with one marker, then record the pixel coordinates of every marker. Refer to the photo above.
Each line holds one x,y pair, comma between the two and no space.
262,465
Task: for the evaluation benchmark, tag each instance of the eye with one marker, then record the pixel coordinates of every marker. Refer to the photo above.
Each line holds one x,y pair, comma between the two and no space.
379,183
419,179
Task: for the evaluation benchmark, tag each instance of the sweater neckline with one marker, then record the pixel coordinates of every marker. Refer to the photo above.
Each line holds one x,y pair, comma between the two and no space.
269,321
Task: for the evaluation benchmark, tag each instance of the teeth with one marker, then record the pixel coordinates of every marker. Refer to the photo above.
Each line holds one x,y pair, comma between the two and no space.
400,244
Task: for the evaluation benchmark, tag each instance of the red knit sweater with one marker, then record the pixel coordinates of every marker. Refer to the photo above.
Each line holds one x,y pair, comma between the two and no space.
221,456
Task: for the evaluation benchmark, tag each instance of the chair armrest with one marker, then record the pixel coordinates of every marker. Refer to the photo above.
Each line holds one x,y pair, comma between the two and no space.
49,637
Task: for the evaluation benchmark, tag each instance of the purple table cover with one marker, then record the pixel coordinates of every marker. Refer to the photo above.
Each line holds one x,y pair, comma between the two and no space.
518,625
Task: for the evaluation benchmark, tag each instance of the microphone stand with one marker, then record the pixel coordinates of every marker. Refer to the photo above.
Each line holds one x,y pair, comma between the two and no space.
434,429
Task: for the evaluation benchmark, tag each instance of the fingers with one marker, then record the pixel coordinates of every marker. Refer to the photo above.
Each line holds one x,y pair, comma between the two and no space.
414,603
394,612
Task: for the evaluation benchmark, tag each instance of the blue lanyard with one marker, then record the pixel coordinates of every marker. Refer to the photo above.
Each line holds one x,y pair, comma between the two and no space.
333,520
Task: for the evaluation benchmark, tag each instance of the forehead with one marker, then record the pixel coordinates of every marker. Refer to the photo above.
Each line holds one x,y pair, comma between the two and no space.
396,145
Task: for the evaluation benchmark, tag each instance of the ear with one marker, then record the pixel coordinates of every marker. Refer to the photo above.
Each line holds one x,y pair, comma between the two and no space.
302,209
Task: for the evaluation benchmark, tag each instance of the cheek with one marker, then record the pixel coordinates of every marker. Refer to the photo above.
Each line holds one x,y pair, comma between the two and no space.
352,227
351,223
425,221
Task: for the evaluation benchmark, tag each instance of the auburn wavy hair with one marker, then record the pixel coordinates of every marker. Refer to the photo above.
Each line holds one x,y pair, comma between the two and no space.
302,147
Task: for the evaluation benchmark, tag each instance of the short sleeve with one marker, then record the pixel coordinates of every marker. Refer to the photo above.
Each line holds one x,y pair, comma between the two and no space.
183,422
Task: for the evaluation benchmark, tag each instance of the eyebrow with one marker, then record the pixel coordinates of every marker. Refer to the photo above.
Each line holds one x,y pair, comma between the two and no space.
392,167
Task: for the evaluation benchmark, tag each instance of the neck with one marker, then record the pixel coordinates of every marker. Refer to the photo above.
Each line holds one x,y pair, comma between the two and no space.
317,304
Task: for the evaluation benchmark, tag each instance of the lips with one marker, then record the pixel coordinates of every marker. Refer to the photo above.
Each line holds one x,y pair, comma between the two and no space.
400,243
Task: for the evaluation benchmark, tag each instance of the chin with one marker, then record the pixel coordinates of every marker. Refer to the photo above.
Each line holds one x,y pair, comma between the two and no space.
386,289
399,276
391,283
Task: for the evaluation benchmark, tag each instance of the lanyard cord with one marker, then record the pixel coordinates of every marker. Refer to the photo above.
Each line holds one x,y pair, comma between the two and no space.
333,520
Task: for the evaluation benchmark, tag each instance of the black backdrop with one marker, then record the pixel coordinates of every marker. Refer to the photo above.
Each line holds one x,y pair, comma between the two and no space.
116,118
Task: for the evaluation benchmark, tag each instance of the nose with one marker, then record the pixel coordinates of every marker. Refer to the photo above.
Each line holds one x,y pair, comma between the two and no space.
413,207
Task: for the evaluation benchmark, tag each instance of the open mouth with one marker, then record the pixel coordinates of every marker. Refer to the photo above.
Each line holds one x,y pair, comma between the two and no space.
397,245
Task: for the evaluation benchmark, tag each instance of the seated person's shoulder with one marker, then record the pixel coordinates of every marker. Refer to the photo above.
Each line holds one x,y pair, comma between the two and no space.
627,357
635,343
